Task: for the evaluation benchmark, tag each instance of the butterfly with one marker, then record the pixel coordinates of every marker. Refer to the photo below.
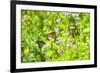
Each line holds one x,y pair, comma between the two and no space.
40,43
73,27
73,30
52,34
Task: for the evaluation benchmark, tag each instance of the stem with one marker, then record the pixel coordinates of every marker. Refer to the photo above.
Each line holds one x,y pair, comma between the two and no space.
41,55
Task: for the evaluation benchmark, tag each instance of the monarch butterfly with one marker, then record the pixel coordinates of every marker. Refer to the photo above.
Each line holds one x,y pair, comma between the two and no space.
40,45
52,34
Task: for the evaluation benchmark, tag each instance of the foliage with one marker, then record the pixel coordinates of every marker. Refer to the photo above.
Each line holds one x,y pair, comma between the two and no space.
54,36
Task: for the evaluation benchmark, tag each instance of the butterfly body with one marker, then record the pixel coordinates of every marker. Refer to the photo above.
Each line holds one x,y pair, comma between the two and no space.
52,34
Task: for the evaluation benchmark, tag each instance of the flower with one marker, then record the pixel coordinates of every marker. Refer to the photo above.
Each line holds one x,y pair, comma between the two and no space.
46,45
60,50
24,18
67,33
58,20
78,43
77,24
74,47
67,45
70,43
26,51
56,30
58,40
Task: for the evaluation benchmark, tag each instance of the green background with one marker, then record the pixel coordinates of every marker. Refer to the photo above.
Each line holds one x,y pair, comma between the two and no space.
48,36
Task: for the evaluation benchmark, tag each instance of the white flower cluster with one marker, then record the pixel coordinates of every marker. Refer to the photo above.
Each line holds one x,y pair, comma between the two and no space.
58,20
56,29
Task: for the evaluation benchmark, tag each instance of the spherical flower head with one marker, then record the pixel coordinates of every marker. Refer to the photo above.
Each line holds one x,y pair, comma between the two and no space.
26,51
56,29
58,20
